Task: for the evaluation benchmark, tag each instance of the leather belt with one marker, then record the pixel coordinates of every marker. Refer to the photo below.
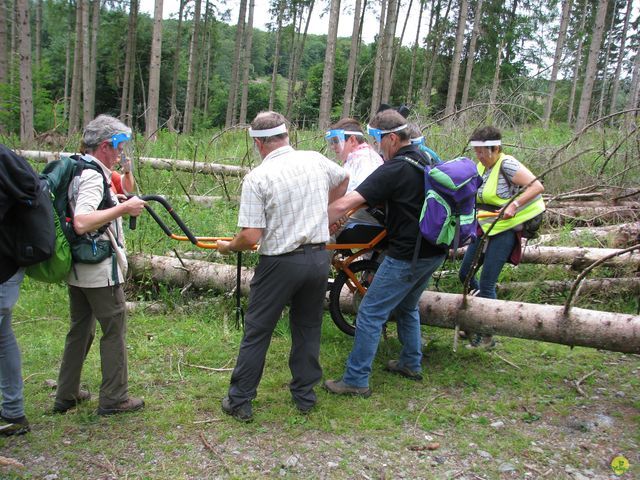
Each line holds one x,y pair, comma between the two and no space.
307,247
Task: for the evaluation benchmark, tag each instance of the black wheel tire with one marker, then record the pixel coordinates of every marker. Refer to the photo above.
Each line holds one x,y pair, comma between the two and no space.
364,270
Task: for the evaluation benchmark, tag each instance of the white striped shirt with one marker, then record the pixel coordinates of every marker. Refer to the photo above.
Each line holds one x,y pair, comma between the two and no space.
287,196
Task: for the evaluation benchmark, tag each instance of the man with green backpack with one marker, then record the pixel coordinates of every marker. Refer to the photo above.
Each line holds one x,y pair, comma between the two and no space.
98,271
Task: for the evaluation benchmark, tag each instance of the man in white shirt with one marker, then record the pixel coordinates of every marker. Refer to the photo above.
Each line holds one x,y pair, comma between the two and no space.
283,207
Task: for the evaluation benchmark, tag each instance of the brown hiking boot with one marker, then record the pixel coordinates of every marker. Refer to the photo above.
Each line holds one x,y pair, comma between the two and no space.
395,367
62,406
340,388
130,405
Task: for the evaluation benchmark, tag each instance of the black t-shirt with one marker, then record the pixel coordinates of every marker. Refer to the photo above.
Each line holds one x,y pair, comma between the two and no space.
399,186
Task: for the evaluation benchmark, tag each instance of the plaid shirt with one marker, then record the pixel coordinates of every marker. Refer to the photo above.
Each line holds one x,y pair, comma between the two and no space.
287,196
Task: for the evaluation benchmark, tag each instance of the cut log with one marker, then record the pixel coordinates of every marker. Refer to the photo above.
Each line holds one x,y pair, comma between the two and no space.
589,328
618,236
610,285
158,163
591,215
577,257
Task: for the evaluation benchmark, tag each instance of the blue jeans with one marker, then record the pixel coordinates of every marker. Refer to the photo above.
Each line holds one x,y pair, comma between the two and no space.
492,260
394,289
10,363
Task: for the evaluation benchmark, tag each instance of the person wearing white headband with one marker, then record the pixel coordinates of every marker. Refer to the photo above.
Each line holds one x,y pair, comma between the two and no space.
399,281
504,178
283,207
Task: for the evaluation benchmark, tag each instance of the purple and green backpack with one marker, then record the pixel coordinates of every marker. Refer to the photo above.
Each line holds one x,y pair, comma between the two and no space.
448,217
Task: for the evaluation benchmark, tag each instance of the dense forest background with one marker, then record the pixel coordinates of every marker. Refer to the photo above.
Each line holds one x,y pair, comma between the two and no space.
63,61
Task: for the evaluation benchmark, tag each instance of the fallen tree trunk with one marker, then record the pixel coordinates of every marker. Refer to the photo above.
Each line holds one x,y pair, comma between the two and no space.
591,215
588,328
158,163
577,257
611,285
619,236
561,204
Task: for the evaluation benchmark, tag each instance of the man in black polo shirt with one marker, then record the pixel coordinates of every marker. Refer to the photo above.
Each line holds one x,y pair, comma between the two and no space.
399,281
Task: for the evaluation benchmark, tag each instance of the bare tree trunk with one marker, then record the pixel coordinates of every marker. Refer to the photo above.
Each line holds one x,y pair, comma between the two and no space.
205,107
577,65
609,37
86,63
477,22
235,67
376,92
326,94
596,285
276,56
4,57
557,59
95,26
496,82
430,66
154,73
414,54
134,62
387,49
455,63
634,93
192,73
38,41
396,53
592,66
353,60
202,49
76,78
26,86
67,65
616,76
126,105
171,123
248,43
291,95
589,328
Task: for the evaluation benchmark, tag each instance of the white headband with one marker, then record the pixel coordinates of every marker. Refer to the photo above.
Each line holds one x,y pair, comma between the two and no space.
485,143
349,132
270,132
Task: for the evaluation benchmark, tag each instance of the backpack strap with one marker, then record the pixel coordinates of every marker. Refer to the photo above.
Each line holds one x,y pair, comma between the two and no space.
420,166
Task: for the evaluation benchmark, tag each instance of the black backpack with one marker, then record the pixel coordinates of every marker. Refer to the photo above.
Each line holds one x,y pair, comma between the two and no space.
28,233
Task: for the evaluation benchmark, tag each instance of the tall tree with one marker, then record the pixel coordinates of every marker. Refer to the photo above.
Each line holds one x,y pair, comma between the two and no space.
26,87
95,26
633,100
126,104
154,73
621,52
4,57
605,65
235,66
396,53
414,54
455,63
353,59
376,91
577,62
387,49
38,42
436,32
171,122
276,55
76,76
297,47
326,94
477,22
592,66
192,71
86,64
248,43
557,59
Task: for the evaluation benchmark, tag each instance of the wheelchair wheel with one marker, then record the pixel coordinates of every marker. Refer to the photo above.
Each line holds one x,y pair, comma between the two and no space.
344,313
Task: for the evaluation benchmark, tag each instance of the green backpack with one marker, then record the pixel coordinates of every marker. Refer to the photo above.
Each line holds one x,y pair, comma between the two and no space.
69,246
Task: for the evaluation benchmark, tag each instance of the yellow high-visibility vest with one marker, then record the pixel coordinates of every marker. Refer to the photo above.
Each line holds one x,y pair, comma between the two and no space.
490,196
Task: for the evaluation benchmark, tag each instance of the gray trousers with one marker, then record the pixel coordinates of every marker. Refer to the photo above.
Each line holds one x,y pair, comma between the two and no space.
11,385
298,279
107,306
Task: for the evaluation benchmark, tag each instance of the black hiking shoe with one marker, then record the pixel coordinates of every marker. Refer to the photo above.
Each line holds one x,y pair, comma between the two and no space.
14,426
395,367
243,413
63,406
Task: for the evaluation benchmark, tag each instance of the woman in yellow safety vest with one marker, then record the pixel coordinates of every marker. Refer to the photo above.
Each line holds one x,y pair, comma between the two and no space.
503,177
